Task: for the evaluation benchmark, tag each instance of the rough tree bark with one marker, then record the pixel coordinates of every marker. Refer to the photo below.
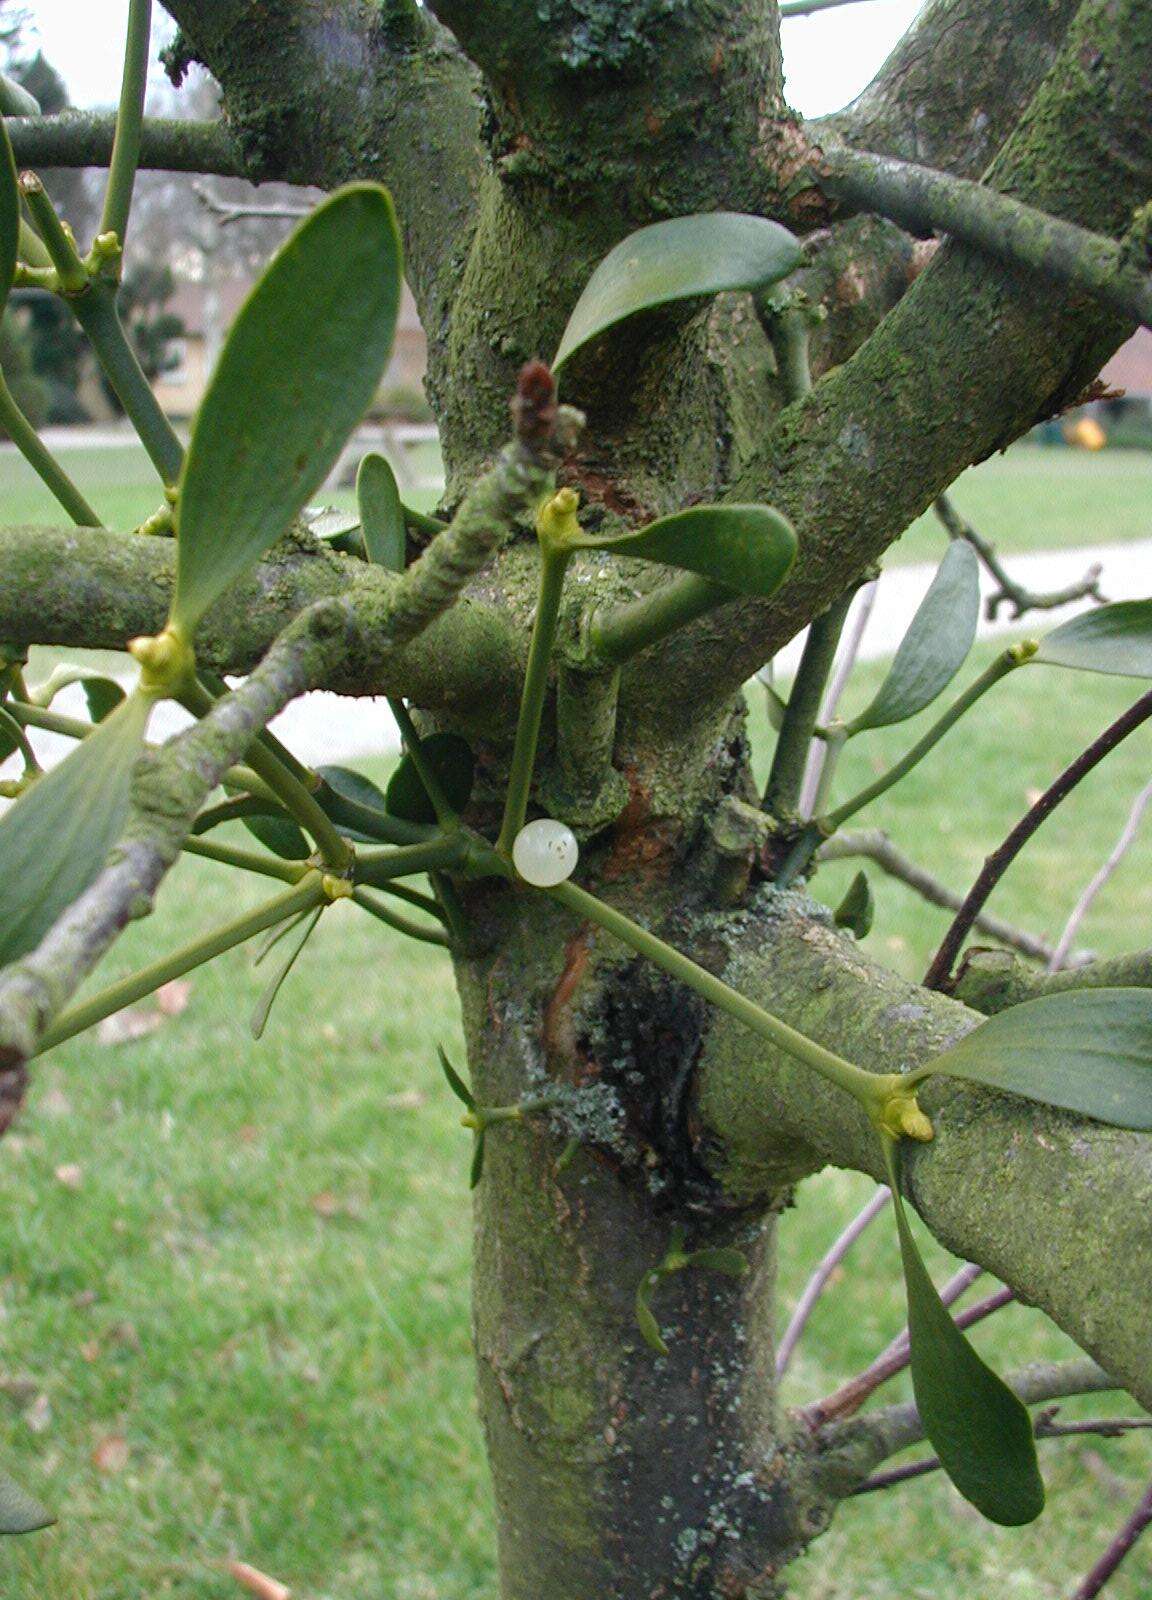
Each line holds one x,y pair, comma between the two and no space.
521,142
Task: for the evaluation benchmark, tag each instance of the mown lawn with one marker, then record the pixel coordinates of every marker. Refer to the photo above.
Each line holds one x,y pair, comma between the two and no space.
123,489
234,1300
1040,497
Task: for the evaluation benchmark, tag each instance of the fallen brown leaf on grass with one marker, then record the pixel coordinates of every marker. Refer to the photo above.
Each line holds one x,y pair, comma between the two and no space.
137,1022
332,1206
111,1454
258,1583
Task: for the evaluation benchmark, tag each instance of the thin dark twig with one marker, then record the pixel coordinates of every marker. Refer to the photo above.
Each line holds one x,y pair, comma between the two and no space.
874,845
939,974
1011,593
1102,1427
851,1395
819,1280
1118,1549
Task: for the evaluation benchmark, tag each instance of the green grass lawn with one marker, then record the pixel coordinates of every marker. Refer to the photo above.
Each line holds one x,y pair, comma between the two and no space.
1037,497
122,486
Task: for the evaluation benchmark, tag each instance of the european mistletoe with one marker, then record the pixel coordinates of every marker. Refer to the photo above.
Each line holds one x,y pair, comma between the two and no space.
523,816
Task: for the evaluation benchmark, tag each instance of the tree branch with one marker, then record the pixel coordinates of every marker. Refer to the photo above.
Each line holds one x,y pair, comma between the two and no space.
761,1122
873,844
169,790
1100,877
325,91
97,590
857,460
1044,1428
84,139
992,980
953,88
852,1394
894,1428
1118,1550
924,200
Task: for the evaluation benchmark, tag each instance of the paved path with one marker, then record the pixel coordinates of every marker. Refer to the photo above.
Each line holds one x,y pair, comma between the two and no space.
1127,575
323,728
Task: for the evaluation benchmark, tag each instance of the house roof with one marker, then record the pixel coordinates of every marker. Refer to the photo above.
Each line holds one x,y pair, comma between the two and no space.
1130,368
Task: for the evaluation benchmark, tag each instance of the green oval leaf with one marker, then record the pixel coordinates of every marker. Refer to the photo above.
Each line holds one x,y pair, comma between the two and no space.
746,548
476,1171
300,935
688,257
15,100
359,809
298,370
1084,1050
727,1259
980,1430
55,838
9,217
19,1512
455,1082
355,804
381,513
280,834
936,645
645,1321
451,759
857,910
1115,639
102,694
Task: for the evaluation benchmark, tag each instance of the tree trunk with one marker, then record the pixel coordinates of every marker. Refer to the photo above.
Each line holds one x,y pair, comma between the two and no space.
618,1471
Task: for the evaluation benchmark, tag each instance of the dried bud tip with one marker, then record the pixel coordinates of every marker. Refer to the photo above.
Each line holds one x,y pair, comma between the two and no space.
534,405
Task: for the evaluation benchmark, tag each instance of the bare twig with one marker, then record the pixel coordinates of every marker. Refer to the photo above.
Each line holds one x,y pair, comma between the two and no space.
1119,1548
226,211
818,1282
851,1395
841,672
1100,877
893,1428
1011,593
939,974
875,845
1101,1427
258,1583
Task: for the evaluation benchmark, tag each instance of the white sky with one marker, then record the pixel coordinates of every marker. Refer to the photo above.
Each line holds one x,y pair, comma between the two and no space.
829,56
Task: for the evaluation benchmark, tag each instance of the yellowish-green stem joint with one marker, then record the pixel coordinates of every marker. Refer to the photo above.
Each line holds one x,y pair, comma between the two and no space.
167,662
897,1112
557,527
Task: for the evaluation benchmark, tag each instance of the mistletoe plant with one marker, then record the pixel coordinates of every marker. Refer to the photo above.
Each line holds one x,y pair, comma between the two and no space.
85,846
